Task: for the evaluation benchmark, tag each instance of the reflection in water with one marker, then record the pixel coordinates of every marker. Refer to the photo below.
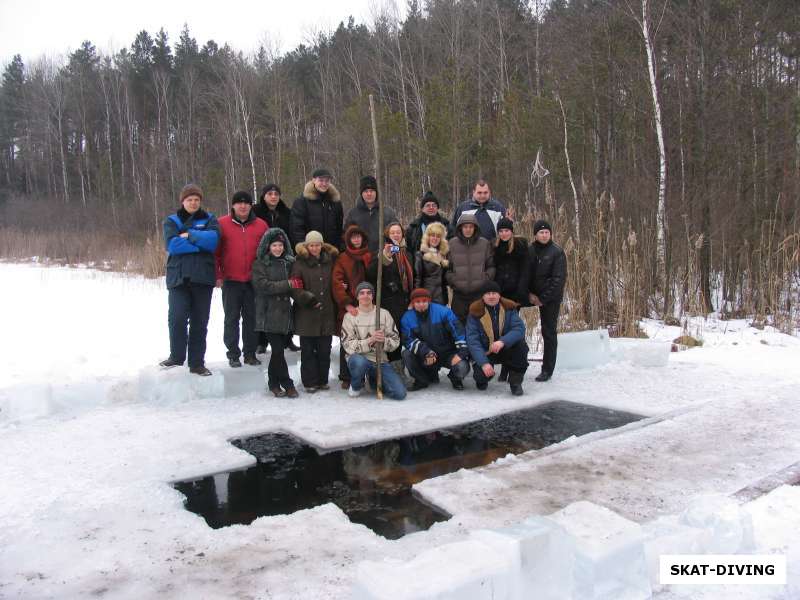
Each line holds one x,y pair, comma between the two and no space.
372,484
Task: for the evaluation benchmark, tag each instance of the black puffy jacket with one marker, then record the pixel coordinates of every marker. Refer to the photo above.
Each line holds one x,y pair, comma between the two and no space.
511,269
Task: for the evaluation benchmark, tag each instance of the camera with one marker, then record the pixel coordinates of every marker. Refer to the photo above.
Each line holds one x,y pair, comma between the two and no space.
394,249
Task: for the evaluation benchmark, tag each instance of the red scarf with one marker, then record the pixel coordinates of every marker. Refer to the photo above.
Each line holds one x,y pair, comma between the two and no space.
404,267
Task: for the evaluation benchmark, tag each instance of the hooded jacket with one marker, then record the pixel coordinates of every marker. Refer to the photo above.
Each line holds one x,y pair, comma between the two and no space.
237,246
314,309
271,284
471,262
367,219
191,259
315,211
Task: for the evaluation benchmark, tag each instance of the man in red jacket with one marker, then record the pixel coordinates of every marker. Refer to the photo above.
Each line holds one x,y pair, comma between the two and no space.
240,233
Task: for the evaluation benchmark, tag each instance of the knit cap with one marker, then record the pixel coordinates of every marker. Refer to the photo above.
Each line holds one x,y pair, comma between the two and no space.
191,189
541,224
365,285
314,237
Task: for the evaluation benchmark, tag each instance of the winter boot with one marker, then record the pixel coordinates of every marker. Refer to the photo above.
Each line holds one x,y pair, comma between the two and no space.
503,374
515,382
251,360
169,363
543,376
400,369
234,362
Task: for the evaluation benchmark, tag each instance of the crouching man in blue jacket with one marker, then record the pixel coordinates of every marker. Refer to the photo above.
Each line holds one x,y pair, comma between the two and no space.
191,235
433,338
496,335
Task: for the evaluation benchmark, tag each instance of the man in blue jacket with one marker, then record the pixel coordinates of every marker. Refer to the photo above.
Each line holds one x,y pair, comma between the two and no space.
496,335
191,235
486,209
433,338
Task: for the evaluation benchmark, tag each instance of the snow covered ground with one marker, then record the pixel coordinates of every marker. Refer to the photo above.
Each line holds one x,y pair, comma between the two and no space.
92,432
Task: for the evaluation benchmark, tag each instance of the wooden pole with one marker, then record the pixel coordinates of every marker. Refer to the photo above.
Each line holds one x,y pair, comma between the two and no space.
379,282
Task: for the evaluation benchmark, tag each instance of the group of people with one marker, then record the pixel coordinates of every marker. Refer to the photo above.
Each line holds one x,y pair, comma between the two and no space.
451,290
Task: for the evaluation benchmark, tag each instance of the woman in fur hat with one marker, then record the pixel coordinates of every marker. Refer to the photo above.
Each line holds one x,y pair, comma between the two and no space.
431,261
349,270
314,309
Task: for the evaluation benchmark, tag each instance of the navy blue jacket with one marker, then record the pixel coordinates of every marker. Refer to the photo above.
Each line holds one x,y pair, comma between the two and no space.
487,214
512,331
191,259
441,332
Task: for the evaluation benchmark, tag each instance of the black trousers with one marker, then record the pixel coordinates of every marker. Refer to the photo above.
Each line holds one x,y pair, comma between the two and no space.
239,302
548,316
315,359
278,370
460,304
189,307
428,374
344,370
514,359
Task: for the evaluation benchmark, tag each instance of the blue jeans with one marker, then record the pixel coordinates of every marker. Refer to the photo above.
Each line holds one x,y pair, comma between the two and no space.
360,366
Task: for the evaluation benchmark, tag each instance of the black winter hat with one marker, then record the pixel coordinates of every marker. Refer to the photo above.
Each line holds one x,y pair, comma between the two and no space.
490,286
321,172
368,182
241,196
270,187
505,223
541,224
428,197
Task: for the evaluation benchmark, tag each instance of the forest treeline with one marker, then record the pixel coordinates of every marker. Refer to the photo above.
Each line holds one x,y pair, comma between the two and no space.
674,189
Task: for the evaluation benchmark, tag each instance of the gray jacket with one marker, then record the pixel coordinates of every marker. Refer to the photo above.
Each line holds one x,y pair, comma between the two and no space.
367,219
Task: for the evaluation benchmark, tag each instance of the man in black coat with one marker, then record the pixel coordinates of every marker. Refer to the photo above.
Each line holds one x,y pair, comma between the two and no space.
429,213
547,275
273,210
318,208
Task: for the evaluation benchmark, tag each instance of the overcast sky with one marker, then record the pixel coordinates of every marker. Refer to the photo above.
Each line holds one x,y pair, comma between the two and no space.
54,27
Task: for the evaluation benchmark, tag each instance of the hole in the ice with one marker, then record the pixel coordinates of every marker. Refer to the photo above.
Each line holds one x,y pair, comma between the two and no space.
372,484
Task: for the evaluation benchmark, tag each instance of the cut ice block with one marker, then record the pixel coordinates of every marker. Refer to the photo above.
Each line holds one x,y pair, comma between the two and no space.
542,554
468,570
178,383
643,353
666,535
729,525
609,553
583,349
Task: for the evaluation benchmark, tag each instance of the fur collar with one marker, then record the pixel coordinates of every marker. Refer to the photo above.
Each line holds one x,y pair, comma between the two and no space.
184,215
329,252
311,193
477,309
432,255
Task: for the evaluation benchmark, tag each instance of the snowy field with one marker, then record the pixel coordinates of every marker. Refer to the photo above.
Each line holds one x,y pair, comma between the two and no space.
92,432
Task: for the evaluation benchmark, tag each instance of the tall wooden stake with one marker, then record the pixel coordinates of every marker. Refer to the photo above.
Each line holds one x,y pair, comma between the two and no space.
379,283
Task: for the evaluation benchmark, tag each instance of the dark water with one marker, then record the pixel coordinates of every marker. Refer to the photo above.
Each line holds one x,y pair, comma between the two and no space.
372,484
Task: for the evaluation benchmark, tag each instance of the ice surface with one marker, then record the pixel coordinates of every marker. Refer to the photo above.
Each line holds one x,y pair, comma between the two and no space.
583,349
543,555
609,553
730,526
467,570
